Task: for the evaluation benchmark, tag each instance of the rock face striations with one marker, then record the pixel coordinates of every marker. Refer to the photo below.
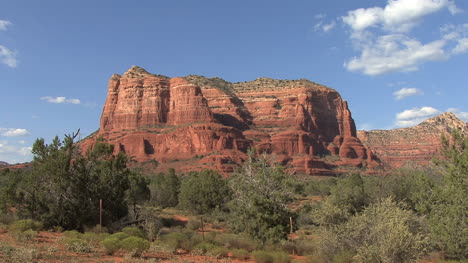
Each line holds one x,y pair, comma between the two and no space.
194,122
415,144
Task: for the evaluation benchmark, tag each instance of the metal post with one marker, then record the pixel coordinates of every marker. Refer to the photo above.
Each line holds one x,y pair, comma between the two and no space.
291,224
100,215
202,229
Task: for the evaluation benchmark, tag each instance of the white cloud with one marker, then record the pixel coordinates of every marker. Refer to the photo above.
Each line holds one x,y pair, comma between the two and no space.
381,35
397,15
328,27
4,24
8,57
13,132
395,52
462,46
415,116
406,92
60,100
15,154
460,114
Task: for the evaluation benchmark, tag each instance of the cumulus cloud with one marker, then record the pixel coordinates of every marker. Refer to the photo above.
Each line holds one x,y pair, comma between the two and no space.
462,46
396,52
397,15
406,92
415,116
4,24
13,132
321,25
8,57
381,35
14,153
328,27
60,100
460,114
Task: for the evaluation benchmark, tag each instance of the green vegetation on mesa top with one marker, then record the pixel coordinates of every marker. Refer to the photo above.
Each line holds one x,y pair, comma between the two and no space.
400,217
257,84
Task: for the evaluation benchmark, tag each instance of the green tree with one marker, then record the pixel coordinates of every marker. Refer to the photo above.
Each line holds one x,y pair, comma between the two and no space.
260,198
203,192
63,186
448,214
165,189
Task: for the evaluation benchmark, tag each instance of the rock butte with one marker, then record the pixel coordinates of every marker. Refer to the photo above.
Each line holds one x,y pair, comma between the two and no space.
194,123
415,144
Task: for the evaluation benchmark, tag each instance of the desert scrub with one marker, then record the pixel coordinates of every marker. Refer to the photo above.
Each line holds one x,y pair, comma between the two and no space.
135,245
240,254
78,245
219,252
193,224
181,240
261,256
111,245
94,238
28,235
72,234
133,231
203,248
120,235
18,255
23,225
280,257
232,241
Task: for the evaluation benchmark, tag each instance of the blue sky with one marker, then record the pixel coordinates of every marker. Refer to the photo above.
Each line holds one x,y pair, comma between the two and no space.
397,62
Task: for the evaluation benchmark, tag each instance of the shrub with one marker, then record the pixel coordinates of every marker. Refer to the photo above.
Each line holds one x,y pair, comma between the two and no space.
133,231
280,257
204,247
179,240
240,254
237,241
383,232
193,224
72,234
305,247
344,256
28,235
111,245
77,245
93,237
261,256
3,228
23,225
96,229
219,252
119,235
135,245
18,255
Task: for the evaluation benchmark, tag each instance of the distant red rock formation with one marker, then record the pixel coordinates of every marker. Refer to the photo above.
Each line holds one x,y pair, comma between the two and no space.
193,123
415,144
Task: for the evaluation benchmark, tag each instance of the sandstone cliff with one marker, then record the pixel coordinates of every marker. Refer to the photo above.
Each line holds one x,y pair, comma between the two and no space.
195,122
415,144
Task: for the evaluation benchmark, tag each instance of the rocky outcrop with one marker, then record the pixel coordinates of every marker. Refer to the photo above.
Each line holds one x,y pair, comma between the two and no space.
196,122
417,144
3,163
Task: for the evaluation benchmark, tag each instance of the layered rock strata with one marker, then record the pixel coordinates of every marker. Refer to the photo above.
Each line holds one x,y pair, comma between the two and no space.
418,144
196,122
